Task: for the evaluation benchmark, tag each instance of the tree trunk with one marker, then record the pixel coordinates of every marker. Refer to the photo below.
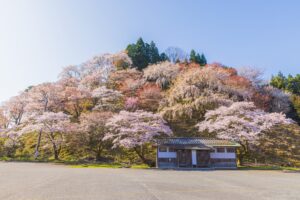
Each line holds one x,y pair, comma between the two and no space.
36,153
55,151
142,157
98,153
242,152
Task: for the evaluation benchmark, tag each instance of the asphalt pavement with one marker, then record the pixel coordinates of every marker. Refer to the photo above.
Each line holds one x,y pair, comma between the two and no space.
34,181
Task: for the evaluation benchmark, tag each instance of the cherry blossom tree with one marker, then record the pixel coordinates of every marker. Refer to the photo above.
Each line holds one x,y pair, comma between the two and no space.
162,73
107,99
91,131
198,89
12,116
150,95
252,74
69,72
127,81
53,125
46,97
76,100
241,122
131,103
134,129
95,72
14,109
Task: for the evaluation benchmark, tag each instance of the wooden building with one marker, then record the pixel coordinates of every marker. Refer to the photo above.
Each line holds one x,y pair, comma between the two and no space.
196,153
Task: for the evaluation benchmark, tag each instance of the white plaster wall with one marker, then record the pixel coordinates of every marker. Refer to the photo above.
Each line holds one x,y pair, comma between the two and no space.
223,155
167,154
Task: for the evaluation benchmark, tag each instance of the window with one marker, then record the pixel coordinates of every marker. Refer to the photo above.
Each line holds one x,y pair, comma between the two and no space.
162,149
230,150
220,150
171,149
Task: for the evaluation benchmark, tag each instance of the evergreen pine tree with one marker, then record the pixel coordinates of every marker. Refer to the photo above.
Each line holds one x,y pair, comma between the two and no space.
153,53
193,56
203,60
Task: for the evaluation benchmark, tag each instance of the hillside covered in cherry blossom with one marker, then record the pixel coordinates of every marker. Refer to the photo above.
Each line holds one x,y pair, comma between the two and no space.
112,107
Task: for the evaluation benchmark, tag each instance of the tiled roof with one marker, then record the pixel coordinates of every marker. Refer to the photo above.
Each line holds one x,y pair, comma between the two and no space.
202,142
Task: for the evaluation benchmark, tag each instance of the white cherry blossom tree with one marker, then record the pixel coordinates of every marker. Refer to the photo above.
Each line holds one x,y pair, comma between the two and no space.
241,122
162,73
134,129
53,125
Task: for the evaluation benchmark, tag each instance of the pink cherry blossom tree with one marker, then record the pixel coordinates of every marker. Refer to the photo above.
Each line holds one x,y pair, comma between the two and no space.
76,100
107,99
162,73
95,71
70,72
53,125
14,109
131,103
134,129
254,75
45,97
241,122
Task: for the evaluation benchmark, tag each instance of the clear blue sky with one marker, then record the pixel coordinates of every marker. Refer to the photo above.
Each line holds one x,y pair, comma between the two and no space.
38,38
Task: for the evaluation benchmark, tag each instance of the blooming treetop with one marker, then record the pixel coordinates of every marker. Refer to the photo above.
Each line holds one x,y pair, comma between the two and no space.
108,99
132,129
240,121
162,73
14,109
95,71
252,74
49,122
45,97
105,93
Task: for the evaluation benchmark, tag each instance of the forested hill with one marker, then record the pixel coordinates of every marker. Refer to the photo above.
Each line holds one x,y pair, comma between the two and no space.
113,106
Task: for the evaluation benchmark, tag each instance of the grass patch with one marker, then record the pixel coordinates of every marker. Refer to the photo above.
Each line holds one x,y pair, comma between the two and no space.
107,165
143,166
268,168
96,166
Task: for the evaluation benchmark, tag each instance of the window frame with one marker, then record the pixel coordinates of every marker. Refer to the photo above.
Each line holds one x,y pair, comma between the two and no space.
218,148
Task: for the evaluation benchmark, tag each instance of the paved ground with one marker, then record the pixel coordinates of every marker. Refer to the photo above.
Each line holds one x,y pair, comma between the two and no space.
28,181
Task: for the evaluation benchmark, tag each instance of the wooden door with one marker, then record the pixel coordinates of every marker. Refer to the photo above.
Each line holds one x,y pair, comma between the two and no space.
203,158
184,158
